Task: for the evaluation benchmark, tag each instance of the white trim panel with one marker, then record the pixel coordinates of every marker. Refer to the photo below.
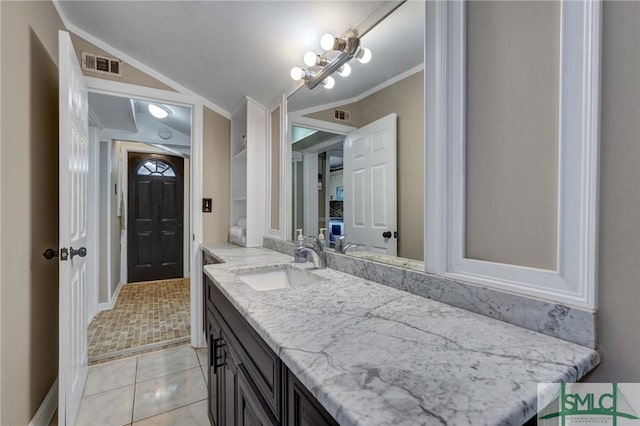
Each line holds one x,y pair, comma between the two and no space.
112,301
574,281
197,139
47,408
196,103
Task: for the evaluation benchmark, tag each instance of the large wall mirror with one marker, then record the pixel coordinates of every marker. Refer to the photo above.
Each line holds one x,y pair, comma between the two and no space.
357,150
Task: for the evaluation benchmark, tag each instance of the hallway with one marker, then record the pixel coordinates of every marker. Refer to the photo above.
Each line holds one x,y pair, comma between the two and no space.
147,316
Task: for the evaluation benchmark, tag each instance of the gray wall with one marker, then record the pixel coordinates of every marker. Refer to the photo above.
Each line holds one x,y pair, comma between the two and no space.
619,248
512,132
215,179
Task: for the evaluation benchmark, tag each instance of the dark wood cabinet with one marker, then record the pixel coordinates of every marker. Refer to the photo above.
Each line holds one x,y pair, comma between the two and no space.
213,335
251,411
248,383
227,384
303,409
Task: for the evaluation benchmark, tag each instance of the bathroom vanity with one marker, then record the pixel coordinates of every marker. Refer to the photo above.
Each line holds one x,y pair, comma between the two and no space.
322,347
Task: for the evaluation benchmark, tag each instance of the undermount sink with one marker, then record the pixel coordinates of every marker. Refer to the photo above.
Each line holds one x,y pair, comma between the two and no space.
274,278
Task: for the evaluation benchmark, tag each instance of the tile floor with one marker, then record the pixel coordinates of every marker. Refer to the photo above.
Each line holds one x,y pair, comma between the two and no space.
166,387
145,314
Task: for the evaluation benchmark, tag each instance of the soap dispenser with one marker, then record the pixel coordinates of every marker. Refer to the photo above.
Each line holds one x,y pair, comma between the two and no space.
322,238
298,256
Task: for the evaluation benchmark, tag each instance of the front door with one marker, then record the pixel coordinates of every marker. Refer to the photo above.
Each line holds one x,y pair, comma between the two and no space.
370,186
74,166
155,235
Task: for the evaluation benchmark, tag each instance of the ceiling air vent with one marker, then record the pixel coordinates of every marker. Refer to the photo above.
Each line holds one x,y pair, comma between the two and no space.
342,115
101,64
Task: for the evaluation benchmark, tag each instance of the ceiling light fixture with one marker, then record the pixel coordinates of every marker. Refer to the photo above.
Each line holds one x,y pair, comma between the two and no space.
337,52
159,111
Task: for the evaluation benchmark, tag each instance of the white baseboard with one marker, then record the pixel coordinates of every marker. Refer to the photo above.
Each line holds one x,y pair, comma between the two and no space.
111,303
48,407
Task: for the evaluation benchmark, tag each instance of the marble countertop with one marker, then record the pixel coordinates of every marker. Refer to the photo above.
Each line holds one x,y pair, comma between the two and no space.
374,355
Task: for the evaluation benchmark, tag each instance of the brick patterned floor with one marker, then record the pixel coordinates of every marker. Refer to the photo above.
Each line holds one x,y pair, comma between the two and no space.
145,313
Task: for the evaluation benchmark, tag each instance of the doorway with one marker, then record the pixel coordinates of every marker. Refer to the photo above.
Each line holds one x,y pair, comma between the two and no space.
155,217
146,255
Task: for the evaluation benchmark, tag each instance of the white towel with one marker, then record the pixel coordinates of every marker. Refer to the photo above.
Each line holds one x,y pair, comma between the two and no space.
237,232
239,241
242,222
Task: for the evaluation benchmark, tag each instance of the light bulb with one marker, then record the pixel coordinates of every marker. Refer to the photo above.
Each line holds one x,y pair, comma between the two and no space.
297,73
329,82
157,111
310,58
326,42
345,70
364,55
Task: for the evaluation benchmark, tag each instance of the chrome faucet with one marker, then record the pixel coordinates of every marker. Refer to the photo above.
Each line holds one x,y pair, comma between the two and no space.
342,246
315,250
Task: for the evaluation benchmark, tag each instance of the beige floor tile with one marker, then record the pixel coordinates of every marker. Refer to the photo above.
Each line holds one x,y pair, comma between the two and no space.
111,408
191,415
156,396
161,363
110,375
202,355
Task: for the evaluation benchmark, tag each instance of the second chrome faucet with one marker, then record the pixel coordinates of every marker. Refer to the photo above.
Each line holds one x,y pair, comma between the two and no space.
314,250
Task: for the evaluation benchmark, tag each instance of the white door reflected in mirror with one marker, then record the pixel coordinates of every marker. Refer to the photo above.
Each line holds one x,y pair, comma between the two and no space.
370,186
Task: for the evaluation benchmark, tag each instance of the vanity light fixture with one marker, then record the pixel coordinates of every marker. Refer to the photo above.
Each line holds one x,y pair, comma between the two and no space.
363,55
345,70
159,111
337,52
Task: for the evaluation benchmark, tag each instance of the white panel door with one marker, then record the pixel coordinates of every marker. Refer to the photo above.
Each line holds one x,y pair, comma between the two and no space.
74,160
370,186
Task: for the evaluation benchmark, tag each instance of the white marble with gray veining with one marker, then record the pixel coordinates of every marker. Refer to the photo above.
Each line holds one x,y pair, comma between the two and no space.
374,355
565,322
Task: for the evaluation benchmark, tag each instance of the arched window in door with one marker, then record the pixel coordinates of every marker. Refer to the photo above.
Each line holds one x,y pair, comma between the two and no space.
155,168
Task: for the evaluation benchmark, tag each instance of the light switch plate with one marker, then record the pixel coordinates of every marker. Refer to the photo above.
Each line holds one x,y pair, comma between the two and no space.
207,205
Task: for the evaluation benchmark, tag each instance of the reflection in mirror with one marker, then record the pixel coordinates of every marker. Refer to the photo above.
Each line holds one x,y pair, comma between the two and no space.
338,182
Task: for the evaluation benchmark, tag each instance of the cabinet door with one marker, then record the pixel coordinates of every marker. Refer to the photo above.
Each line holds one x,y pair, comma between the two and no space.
213,337
227,383
303,409
252,410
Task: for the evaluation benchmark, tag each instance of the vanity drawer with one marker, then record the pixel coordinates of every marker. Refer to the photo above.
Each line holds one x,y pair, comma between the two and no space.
262,364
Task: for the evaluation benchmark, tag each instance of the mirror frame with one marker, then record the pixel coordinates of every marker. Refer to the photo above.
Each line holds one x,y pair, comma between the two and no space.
574,282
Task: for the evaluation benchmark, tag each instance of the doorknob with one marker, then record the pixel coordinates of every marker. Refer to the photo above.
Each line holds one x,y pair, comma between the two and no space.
50,253
82,252
386,234
63,253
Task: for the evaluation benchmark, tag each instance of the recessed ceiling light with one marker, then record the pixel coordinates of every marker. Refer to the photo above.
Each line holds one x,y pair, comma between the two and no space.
159,111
